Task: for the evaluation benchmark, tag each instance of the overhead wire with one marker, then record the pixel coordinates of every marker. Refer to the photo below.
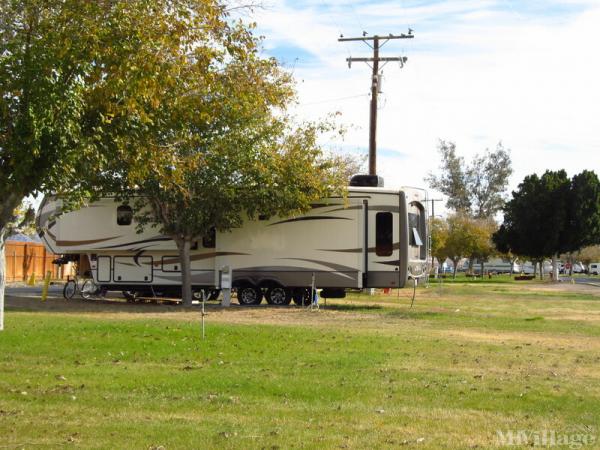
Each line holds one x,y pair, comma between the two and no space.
334,99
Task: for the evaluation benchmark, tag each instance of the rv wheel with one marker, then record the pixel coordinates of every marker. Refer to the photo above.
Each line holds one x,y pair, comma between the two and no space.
278,296
214,294
301,296
130,296
249,295
197,294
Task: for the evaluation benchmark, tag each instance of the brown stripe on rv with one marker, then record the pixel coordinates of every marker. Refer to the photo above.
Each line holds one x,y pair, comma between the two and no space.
336,267
144,241
301,219
174,259
396,246
323,205
92,241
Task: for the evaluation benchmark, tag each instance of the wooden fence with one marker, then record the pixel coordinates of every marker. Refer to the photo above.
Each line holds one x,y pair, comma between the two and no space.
26,258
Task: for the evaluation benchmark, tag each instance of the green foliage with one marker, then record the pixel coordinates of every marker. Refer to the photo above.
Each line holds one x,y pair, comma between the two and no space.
467,237
215,144
589,254
477,188
438,229
551,214
168,99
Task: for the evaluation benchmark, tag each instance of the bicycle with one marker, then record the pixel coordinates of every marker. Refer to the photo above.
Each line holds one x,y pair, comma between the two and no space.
87,289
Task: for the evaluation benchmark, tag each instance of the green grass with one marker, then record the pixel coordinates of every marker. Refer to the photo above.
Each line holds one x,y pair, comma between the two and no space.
362,373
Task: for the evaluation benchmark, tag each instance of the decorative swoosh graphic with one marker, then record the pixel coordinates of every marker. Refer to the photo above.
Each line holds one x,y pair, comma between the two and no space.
389,263
396,246
154,239
300,219
175,259
323,205
275,270
76,243
324,263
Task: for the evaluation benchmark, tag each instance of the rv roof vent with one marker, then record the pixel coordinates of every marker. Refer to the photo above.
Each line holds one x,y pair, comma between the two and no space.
366,181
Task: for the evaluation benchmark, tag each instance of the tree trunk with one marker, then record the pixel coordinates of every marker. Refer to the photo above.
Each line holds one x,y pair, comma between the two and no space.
541,263
555,267
184,246
482,267
2,279
455,262
7,207
471,263
571,261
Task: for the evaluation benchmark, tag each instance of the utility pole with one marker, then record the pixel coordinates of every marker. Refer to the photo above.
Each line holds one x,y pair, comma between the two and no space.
377,43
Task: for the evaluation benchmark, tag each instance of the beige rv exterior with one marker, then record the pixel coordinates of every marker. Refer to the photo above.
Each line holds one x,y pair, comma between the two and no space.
373,238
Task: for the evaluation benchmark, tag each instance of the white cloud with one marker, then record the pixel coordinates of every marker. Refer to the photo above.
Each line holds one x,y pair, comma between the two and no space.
491,73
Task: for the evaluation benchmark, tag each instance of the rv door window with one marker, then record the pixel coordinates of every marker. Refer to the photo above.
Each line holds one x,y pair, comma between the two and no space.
124,215
384,234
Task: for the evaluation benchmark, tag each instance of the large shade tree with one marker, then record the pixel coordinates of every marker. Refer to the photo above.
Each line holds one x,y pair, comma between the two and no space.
220,147
47,133
550,215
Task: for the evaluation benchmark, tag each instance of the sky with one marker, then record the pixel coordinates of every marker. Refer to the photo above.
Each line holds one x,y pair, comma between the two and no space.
525,73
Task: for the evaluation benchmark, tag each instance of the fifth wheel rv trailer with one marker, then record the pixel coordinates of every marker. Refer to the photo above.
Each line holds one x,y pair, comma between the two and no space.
375,238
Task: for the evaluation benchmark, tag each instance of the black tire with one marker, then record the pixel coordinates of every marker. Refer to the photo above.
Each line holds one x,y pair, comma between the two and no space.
197,294
214,294
89,289
301,296
69,289
278,296
130,296
249,295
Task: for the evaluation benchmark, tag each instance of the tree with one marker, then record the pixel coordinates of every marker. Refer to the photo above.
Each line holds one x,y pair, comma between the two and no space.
466,237
82,86
43,142
477,188
482,245
348,164
218,146
551,214
589,254
439,231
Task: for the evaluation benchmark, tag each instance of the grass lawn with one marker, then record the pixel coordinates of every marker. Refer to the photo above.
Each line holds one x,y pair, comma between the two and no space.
468,360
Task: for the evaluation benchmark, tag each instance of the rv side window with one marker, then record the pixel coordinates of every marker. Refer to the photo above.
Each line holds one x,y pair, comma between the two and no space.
124,215
209,240
384,234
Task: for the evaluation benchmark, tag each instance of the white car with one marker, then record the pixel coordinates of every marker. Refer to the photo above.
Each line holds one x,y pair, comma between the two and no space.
594,268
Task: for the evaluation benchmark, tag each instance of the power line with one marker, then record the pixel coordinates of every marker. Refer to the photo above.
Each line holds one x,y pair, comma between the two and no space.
334,99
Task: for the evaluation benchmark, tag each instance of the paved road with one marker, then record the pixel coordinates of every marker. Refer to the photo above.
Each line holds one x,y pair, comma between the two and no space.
54,290
595,281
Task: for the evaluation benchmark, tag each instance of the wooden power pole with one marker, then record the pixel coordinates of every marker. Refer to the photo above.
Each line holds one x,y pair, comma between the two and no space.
375,42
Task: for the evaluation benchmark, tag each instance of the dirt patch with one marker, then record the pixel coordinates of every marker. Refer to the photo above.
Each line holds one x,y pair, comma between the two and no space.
583,343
